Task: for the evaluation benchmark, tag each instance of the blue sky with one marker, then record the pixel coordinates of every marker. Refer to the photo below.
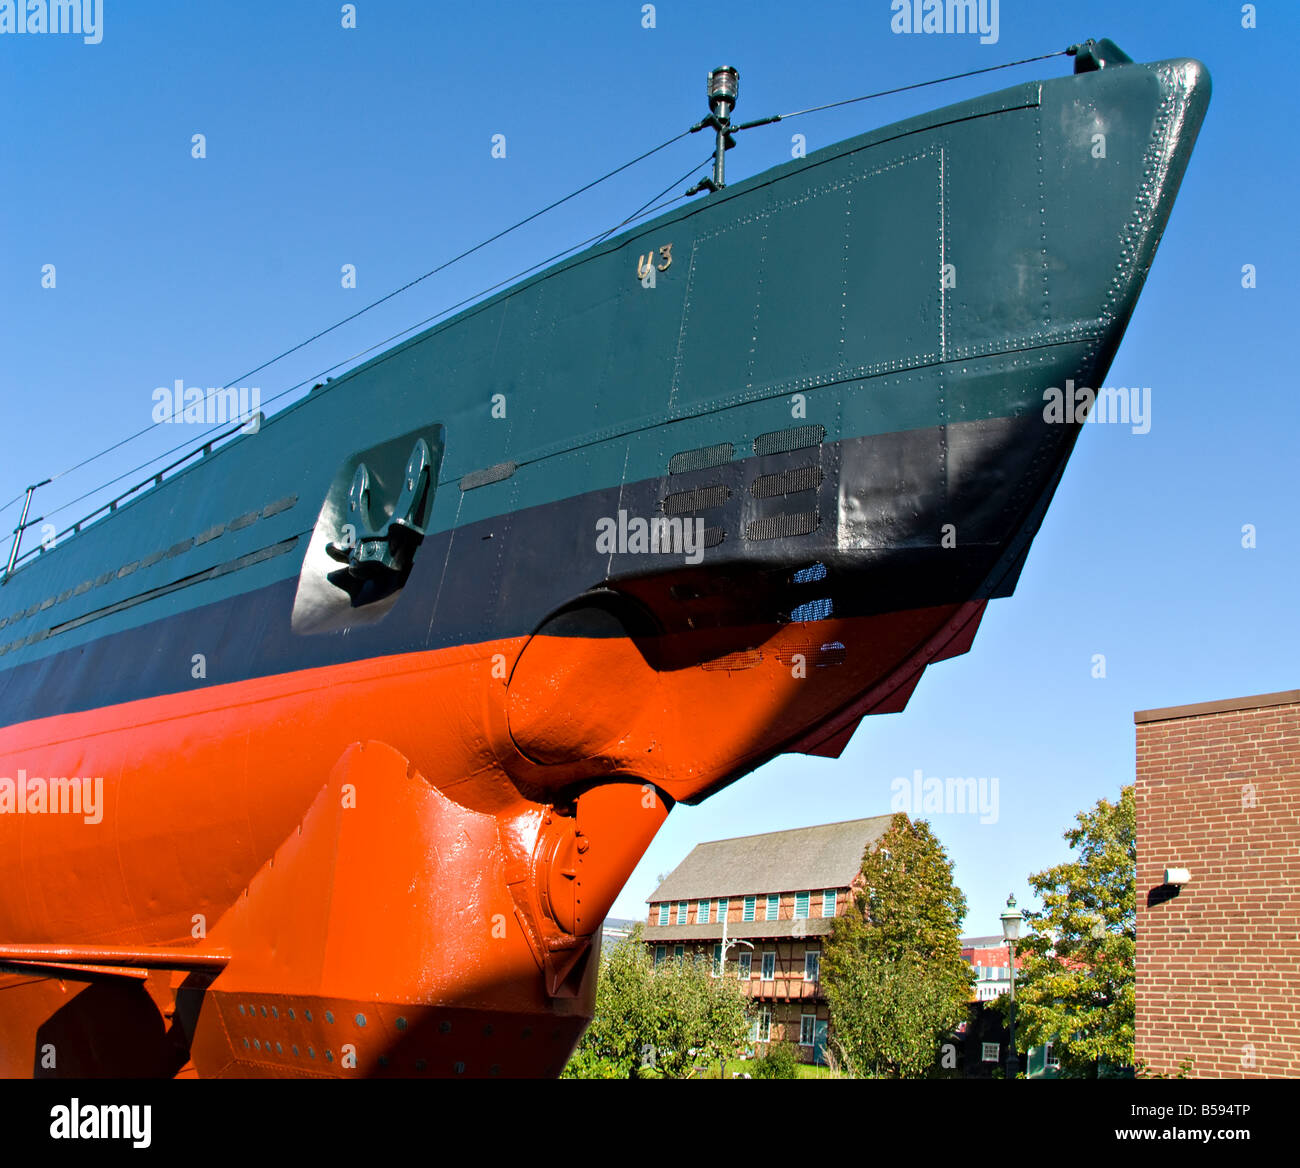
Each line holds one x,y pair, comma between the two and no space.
371,146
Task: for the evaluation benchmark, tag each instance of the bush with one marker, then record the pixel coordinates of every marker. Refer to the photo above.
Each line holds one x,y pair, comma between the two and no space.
781,1062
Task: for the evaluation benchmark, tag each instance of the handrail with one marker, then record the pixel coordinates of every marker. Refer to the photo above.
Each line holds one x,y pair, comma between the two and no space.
154,480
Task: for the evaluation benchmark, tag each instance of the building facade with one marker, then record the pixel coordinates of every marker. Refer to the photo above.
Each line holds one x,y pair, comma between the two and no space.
1218,951
775,896
990,959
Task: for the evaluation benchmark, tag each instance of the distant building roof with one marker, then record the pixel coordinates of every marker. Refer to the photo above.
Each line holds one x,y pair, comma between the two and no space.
1285,697
828,855
983,942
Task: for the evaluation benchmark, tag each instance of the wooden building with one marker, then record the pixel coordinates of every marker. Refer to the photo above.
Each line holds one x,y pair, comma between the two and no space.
775,894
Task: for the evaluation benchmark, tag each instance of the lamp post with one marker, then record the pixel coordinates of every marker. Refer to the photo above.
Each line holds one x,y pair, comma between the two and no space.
722,972
1011,933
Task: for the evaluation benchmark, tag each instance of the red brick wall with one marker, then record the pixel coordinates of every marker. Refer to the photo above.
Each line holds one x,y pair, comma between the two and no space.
1218,966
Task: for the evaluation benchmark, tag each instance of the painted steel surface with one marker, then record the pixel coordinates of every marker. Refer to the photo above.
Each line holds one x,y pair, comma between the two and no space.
376,831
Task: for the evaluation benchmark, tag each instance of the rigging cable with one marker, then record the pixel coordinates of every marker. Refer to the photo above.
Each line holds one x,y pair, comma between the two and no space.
383,299
650,208
917,85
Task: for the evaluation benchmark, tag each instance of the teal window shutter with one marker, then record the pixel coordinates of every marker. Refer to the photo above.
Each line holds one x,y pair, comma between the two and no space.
801,906
773,905
663,913
749,908
702,913
828,903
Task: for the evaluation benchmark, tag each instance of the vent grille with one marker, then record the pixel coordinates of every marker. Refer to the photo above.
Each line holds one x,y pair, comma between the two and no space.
787,482
783,441
701,458
713,536
783,526
819,654
700,499
489,474
813,610
745,659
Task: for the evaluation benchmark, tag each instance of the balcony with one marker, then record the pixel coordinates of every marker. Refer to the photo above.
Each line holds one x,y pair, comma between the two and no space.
783,988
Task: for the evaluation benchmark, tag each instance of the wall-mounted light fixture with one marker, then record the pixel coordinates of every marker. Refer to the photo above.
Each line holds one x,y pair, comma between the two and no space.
1177,876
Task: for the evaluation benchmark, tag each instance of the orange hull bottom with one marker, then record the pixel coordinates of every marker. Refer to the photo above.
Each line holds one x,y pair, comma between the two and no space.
392,867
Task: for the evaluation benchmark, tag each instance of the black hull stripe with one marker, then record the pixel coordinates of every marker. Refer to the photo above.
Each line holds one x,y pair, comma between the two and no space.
503,576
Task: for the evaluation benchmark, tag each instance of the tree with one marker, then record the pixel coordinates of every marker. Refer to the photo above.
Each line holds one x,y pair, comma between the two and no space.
612,1044
892,970
1075,988
658,1020
890,1018
781,1061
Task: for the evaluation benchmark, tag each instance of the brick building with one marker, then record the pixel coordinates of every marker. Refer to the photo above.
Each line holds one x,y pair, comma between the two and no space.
990,959
1218,956
778,892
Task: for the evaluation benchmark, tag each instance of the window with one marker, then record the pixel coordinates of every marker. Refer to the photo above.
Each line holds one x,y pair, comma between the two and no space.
702,913
723,905
989,1052
807,1029
659,954
769,965
679,950
663,913
749,909
828,903
773,906
1050,1059
681,913
746,963
812,965
801,906
717,958
761,1031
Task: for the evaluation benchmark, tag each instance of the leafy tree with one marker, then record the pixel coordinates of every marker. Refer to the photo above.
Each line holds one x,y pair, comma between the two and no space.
658,1021
892,970
1076,985
611,1046
781,1062
890,1018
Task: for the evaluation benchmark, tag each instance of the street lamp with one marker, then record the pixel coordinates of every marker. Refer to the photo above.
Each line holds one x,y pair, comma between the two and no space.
1011,933
722,972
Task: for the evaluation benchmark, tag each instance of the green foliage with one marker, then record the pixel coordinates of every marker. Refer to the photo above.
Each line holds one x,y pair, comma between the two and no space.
890,1018
658,1022
781,1062
1076,985
587,1064
892,970
1142,1071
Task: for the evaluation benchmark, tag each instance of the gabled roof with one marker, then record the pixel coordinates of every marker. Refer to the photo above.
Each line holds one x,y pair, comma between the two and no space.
828,855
